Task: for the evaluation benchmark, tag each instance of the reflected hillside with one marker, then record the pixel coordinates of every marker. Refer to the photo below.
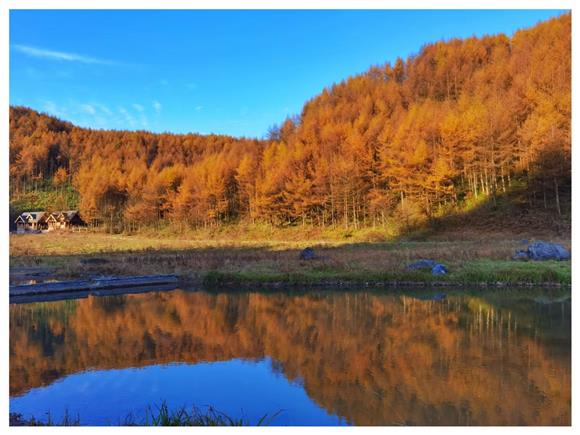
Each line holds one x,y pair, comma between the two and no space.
371,358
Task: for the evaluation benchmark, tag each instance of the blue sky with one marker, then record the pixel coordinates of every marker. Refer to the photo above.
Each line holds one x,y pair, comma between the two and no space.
227,72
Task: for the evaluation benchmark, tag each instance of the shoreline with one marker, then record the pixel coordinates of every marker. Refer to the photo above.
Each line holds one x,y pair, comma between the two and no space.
392,284
303,287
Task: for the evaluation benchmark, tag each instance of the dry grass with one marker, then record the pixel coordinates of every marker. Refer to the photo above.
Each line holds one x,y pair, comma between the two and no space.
272,260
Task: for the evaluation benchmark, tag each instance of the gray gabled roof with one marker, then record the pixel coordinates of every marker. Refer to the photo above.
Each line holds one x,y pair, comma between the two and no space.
32,216
66,215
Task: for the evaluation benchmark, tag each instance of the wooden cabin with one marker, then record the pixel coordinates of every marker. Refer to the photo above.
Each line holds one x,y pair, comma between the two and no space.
53,222
31,221
20,224
63,220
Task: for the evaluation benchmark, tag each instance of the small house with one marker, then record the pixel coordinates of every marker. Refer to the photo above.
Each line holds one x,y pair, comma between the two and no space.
53,221
63,220
31,221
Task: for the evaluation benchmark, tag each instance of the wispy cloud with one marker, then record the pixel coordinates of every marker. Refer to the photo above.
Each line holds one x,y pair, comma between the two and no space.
87,108
59,55
128,117
104,109
157,107
198,108
99,115
94,114
53,109
141,113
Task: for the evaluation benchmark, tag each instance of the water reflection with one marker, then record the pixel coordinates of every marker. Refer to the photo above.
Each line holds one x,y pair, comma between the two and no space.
369,358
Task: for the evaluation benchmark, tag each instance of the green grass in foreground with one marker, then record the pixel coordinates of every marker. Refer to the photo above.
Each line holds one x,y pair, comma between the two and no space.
472,272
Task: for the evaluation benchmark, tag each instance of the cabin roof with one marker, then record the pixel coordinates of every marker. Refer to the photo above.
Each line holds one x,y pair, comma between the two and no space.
38,216
67,215
32,216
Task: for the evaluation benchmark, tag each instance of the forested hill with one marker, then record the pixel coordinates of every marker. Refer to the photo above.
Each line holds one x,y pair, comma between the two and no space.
460,123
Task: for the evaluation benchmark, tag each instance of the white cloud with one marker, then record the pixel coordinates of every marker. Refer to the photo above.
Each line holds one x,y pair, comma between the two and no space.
87,108
157,107
142,117
100,121
104,109
53,109
198,108
128,117
58,55
97,115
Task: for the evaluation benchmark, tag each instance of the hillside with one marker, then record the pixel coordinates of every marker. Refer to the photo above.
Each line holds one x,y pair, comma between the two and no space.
465,128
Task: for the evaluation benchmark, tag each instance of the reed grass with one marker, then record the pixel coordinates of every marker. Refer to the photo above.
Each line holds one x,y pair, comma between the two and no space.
159,415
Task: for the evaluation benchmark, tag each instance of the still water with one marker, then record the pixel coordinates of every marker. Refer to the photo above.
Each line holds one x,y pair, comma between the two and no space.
324,358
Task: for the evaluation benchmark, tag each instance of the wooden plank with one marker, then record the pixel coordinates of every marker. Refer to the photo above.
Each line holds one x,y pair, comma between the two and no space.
91,284
81,294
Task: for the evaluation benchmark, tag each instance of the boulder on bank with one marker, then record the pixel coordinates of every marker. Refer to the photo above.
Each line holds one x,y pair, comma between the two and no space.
422,264
542,251
439,269
436,268
307,254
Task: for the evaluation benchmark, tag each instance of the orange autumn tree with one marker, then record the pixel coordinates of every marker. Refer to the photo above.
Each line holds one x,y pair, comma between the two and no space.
460,122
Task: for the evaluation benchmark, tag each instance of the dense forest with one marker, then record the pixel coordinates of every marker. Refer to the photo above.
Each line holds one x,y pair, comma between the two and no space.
460,123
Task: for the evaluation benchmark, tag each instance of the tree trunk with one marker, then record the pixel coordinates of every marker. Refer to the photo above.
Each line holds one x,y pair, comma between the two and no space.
557,197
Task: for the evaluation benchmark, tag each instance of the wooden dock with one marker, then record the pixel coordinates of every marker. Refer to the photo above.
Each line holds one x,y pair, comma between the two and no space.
97,286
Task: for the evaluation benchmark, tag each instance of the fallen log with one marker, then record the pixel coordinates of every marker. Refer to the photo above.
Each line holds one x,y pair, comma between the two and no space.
91,285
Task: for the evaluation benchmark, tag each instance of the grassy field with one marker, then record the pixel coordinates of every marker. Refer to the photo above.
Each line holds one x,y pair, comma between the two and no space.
251,260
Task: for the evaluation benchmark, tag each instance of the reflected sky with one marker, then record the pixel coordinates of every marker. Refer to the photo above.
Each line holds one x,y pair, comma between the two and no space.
253,389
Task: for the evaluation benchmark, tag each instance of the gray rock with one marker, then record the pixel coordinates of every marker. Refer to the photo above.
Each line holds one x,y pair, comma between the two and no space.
541,251
439,269
547,251
307,254
436,268
422,264
521,255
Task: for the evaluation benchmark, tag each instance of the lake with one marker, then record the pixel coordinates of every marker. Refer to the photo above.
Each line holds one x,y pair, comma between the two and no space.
300,358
